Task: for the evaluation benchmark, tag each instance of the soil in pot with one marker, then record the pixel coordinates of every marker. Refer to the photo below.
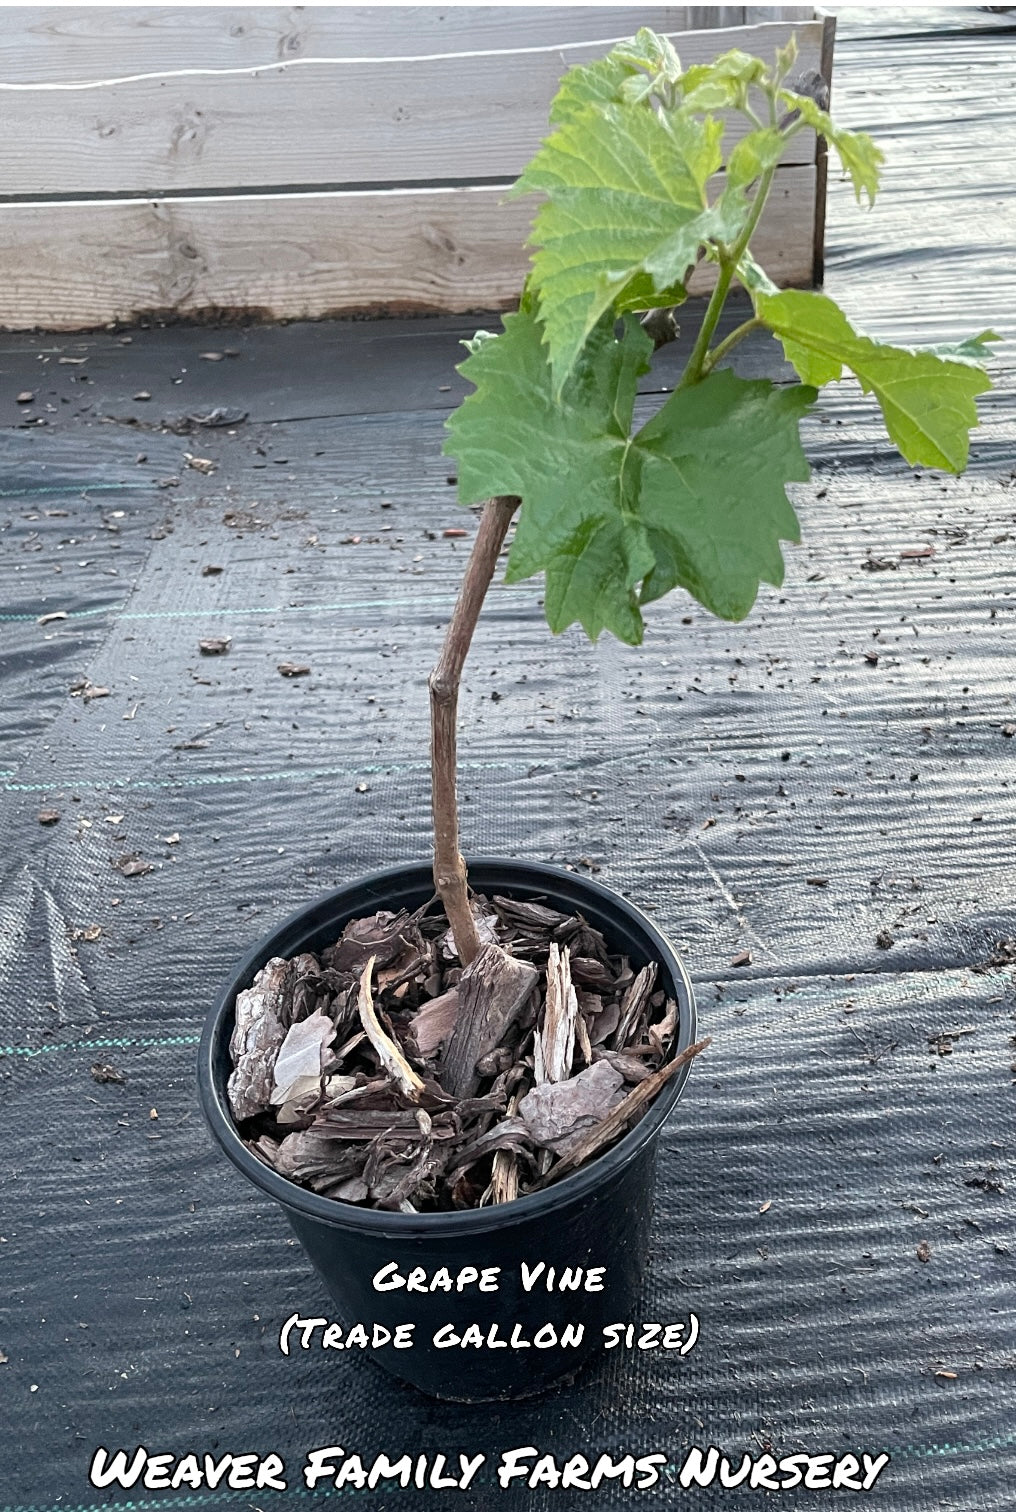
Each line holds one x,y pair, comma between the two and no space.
382,1072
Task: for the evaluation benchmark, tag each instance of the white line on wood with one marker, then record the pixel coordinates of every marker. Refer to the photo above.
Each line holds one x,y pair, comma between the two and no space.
277,66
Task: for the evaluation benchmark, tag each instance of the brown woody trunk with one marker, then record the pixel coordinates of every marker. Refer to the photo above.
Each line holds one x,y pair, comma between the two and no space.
449,867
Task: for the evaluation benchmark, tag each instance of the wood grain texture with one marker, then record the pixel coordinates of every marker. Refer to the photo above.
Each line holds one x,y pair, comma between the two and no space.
754,15
822,158
493,990
317,124
74,266
51,43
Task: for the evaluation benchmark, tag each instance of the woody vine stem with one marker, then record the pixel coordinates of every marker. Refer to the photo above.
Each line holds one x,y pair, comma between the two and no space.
444,682
554,390
450,874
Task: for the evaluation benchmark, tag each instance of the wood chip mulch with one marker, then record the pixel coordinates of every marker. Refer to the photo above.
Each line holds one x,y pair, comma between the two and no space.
386,1074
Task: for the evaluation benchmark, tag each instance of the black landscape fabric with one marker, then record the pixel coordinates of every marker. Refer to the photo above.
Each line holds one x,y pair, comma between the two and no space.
825,792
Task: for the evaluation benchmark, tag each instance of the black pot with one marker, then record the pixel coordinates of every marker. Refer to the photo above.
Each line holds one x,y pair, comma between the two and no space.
597,1217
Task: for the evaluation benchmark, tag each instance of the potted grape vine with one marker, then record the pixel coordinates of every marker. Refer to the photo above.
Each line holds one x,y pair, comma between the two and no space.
454,1080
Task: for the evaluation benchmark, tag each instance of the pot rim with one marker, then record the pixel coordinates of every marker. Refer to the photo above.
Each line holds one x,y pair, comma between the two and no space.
406,1226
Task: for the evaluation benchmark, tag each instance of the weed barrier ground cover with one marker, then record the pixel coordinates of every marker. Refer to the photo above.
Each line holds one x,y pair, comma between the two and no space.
824,795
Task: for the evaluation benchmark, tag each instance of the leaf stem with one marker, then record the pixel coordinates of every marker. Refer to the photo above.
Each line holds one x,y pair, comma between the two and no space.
728,343
693,372
449,867
729,258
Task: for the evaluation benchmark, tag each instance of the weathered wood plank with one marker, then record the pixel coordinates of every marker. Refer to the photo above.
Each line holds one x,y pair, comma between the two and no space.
76,265
53,43
822,155
320,124
754,15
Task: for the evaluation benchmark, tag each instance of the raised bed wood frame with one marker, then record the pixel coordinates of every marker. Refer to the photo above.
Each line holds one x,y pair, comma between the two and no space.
336,160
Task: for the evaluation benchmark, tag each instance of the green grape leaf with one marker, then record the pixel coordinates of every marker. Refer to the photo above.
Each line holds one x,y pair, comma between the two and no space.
754,277
648,50
716,459
632,71
566,460
786,57
696,498
752,155
638,89
589,84
860,158
626,201
926,396
643,293
732,71
973,349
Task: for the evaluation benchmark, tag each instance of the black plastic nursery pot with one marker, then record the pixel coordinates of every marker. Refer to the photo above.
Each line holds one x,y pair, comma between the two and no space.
492,1337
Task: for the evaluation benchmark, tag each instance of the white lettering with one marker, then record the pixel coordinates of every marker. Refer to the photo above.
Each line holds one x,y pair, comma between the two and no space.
647,1467
157,1472
511,1467
317,1466
102,1474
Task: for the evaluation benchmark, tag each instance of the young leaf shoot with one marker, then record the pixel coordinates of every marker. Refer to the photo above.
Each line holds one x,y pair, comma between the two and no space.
649,170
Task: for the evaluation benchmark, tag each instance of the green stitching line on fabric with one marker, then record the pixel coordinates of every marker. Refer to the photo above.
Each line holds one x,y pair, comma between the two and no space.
206,1503
213,780
63,489
30,1051
122,612
74,614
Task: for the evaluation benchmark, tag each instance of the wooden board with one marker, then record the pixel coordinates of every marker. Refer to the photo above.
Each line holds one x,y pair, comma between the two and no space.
54,43
74,265
440,119
287,163
755,15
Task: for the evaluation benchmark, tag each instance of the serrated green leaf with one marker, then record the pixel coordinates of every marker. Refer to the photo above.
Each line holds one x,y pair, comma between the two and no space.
722,84
927,399
589,84
752,155
592,583
696,498
712,94
973,349
715,462
786,57
860,158
650,51
642,293
640,62
626,201
475,342
735,67
638,89
566,461
613,146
